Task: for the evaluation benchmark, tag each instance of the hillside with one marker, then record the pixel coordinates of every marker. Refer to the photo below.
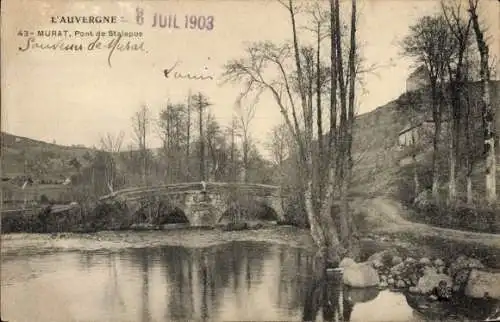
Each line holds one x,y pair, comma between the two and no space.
50,161
383,167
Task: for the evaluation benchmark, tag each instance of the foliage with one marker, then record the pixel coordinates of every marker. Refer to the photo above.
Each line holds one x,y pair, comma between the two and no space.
461,216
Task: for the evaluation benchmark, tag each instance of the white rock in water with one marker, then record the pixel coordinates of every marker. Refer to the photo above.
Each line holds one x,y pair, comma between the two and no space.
481,282
360,275
414,289
431,279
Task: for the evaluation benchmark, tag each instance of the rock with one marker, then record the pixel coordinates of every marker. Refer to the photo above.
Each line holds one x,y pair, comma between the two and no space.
425,261
474,263
439,262
400,284
346,262
377,264
257,225
410,260
431,279
396,260
481,283
429,270
142,226
414,289
413,279
463,262
360,274
397,269
384,256
460,279
235,226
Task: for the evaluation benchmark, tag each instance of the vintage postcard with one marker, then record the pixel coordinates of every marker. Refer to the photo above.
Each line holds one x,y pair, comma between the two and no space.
259,160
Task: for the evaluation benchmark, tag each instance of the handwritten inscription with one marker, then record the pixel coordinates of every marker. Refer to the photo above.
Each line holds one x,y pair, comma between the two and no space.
172,72
172,21
116,43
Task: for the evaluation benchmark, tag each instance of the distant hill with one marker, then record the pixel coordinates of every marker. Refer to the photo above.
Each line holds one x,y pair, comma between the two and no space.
22,155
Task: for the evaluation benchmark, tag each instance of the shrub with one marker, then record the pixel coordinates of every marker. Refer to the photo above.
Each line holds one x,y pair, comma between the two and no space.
465,217
44,199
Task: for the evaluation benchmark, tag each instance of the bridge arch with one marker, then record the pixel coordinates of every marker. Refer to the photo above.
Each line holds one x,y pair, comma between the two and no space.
172,216
257,211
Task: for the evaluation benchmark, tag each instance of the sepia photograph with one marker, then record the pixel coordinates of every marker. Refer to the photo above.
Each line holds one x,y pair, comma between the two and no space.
250,160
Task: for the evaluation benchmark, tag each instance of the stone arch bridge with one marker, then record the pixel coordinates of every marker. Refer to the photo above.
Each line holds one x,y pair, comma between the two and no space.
203,203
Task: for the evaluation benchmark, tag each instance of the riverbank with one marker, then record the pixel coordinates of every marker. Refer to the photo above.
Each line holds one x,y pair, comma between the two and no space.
25,243
382,223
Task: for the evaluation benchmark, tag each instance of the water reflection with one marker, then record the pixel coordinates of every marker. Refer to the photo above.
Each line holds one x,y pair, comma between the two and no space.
234,281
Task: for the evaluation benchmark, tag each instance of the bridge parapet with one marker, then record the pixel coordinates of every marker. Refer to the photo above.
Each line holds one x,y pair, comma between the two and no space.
193,187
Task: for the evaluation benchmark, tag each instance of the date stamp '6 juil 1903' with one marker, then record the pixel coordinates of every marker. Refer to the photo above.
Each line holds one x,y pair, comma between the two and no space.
161,20
107,33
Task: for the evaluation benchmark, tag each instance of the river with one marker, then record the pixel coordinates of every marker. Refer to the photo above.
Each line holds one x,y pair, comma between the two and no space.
231,281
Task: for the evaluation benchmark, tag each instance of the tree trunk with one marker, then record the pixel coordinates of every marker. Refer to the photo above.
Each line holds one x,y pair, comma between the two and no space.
452,186
436,114
202,142
489,112
470,198
319,119
245,157
348,243
188,138
333,85
452,137
469,158
415,175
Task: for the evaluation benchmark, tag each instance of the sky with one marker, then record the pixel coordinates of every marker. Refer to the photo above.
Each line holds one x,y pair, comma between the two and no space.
76,97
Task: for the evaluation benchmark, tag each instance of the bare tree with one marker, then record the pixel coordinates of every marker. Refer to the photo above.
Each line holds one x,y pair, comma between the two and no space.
200,103
112,145
265,59
188,135
488,109
460,31
141,122
245,113
173,124
430,43
279,145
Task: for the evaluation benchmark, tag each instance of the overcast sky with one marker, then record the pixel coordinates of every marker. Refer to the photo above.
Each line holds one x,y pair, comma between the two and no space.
74,98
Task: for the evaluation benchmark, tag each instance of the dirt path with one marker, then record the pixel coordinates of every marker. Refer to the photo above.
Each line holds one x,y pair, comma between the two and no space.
385,215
